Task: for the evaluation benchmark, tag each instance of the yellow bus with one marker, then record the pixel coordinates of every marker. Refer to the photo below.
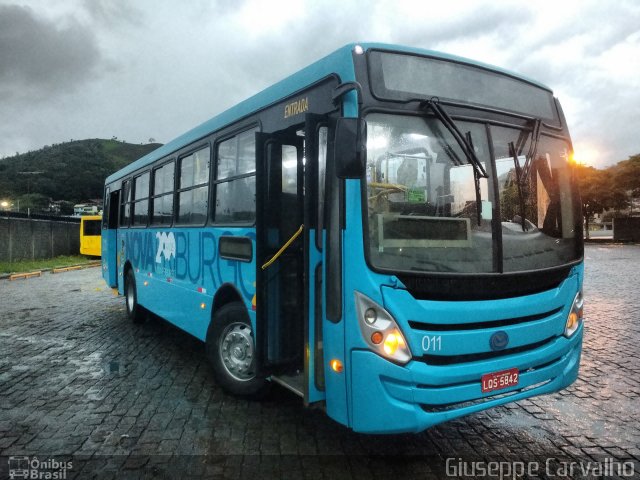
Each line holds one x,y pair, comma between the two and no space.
90,235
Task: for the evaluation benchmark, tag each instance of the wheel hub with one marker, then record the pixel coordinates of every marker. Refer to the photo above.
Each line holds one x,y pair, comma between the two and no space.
237,352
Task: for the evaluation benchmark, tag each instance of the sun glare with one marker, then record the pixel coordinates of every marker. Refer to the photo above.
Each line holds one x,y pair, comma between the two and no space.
585,155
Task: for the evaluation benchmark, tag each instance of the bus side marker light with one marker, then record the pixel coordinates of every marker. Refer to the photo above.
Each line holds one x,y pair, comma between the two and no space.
336,365
203,305
377,337
146,283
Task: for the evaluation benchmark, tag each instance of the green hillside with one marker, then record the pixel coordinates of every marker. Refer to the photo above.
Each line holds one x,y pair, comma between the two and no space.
74,171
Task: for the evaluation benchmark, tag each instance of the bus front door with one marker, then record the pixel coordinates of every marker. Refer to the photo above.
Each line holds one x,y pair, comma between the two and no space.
281,273
109,238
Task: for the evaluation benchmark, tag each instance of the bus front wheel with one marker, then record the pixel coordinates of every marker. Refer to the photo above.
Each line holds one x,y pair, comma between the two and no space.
231,350
134,311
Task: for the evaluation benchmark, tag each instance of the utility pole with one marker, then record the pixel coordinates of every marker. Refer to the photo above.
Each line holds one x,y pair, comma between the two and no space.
29,175
29,179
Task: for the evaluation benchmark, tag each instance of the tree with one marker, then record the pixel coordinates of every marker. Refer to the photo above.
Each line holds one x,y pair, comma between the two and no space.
36,202
626,176
594,190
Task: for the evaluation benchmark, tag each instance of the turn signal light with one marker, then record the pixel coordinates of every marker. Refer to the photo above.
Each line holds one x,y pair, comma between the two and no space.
336,365
376,337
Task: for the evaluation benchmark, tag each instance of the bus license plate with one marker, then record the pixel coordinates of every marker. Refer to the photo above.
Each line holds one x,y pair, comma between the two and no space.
499,380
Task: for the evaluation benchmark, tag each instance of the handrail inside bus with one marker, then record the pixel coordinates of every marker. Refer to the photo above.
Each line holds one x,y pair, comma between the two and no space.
284,247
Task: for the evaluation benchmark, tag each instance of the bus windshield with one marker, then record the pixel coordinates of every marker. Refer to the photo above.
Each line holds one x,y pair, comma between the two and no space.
430,211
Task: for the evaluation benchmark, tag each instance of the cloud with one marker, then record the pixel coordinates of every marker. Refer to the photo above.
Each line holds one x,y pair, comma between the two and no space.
86,68
467,24
39,58
113,13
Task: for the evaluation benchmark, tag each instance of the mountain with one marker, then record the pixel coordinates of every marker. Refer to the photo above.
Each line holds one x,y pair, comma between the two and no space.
74,171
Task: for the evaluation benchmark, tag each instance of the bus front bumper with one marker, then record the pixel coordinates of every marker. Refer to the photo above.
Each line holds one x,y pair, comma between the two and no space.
389,398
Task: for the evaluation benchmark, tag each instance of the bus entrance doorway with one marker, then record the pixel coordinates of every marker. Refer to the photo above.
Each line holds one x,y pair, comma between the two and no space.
281,312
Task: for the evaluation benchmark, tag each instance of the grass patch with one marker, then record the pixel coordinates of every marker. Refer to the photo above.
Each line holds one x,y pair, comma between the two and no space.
34,265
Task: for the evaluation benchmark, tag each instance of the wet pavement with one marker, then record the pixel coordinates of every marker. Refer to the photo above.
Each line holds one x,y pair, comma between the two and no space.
79,383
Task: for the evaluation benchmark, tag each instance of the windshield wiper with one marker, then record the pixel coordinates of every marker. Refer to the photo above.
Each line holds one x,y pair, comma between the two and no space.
448,122
519,172
533,150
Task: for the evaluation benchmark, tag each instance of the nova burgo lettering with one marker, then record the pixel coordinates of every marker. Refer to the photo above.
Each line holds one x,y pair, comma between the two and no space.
183,255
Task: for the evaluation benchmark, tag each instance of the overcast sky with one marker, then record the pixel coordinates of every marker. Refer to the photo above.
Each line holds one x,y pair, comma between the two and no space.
143,69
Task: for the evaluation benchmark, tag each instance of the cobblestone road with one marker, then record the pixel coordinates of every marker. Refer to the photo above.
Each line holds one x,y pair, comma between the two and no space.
80,383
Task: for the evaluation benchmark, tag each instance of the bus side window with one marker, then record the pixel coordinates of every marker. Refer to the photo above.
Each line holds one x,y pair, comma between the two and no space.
193,188
162,208
141,199
106,208
236,179
90,228
125,208
289,169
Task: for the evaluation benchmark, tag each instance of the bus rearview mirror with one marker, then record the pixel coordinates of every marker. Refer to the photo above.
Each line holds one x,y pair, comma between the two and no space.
349,147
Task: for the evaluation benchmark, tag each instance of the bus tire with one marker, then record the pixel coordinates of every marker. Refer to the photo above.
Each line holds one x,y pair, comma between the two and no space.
232,353
134,310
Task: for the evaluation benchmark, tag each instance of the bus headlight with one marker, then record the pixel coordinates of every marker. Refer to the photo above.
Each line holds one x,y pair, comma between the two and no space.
575,315
380,330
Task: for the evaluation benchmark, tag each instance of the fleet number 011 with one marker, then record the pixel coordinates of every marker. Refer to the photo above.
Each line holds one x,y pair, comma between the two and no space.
432,343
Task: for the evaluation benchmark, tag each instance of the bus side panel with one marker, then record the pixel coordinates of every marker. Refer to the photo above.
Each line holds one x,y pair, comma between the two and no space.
187,309
178,272
90,245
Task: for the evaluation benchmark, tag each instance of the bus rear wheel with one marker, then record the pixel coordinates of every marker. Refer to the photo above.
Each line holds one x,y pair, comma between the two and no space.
134,310
231,350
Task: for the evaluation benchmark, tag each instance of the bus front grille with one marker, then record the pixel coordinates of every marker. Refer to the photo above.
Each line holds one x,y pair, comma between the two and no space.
449,327
442,360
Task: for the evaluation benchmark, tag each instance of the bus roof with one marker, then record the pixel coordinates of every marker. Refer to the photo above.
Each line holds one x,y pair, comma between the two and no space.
339,62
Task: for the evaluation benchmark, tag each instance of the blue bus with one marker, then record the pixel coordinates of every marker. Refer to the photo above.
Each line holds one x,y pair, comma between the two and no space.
391,233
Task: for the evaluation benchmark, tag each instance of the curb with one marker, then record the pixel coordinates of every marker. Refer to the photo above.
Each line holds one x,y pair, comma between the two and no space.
18,276
608,241
38,273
